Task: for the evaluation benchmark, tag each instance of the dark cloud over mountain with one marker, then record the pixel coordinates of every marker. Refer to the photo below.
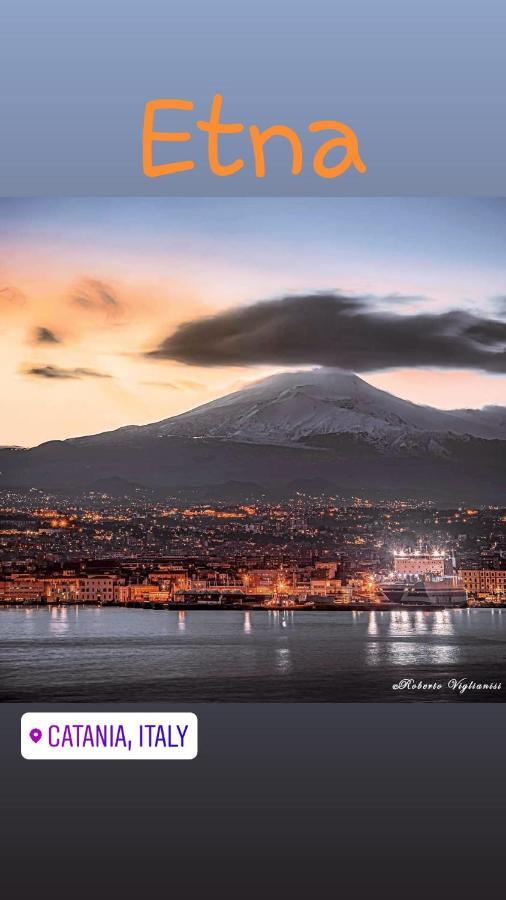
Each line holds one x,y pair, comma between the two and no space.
337,330
56,372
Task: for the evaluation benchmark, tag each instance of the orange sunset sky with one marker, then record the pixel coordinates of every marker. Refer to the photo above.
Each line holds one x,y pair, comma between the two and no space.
89,286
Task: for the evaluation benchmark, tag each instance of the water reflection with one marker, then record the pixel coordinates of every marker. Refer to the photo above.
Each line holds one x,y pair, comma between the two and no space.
283,659
283,618
59,620
409,623
412,638
402,623
411,654
110,654
443,622
372,625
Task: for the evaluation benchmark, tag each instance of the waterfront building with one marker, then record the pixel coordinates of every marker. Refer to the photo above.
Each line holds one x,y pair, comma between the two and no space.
485,584
97,589
62,589
141,593
22,589
325,586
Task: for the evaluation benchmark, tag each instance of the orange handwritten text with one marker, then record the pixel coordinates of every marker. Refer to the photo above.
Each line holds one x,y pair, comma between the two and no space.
344,140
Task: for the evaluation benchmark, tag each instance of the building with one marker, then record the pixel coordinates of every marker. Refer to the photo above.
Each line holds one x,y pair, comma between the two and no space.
485,583
97,589
419,565
170,580
262,581
22,589
327,568
324,587
141,593
61,589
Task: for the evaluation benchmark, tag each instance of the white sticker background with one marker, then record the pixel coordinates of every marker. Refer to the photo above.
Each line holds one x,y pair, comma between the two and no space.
121,735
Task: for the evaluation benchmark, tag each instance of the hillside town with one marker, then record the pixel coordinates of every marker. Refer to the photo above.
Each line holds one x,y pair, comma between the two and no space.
309,552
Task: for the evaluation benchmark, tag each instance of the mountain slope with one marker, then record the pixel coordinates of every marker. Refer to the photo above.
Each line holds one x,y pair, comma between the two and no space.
289,429
293,405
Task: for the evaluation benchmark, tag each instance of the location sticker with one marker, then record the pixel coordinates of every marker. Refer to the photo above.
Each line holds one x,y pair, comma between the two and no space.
88,736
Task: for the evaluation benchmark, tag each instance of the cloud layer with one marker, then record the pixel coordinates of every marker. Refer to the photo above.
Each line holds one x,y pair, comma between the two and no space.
336,330
57,372
93,294
43,335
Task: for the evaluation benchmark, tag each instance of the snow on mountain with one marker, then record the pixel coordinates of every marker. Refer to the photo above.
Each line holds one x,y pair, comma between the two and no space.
286,431
295,405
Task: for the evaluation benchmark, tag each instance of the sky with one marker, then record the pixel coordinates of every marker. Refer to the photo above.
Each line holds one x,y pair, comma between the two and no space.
117,311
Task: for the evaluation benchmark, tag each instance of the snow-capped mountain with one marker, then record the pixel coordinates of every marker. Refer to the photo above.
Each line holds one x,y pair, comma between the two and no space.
284,433
295,405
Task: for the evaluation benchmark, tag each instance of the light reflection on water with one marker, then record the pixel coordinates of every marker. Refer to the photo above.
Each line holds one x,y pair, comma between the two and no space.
411,638
397,653
372,627
109,653
408,623
281,618
283,658
59,622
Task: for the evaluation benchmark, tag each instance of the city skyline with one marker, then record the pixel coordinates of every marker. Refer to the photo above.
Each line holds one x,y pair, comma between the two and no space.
92,291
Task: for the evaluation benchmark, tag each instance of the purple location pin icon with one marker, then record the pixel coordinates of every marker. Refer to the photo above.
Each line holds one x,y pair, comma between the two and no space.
36,735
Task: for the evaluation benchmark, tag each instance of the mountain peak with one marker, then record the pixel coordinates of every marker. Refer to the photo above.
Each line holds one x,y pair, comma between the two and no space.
290,406
284,430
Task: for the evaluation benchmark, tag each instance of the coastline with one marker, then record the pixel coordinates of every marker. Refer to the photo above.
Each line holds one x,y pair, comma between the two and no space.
247,607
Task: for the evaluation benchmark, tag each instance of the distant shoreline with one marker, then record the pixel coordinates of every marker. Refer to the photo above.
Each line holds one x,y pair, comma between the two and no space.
201,607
